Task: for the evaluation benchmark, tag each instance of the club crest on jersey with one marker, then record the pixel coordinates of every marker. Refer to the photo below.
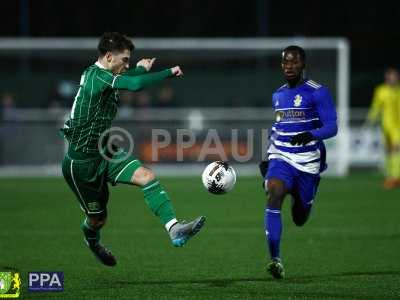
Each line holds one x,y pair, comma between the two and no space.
297,100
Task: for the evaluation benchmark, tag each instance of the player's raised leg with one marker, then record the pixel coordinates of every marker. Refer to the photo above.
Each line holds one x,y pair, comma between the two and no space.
160,204
300,213
158,201
303,194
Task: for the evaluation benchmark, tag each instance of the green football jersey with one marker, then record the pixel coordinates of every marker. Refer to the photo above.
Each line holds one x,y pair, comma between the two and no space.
95,104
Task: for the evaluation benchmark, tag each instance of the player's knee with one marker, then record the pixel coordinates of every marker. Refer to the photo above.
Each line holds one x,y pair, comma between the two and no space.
97,222
143,176
275,187
276,193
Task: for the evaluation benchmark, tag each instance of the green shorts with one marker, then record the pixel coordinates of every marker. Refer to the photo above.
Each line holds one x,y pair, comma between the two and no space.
88,176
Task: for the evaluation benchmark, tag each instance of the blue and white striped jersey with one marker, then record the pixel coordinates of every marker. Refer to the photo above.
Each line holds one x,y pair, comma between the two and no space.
307,107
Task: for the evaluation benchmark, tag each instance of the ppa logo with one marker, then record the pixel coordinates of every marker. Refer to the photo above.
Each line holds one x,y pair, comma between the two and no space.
46,282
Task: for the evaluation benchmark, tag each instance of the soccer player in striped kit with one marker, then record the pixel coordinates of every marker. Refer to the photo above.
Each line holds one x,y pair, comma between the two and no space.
89,166
305,116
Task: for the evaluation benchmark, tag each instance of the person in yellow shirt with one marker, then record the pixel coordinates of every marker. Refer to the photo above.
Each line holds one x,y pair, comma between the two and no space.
386,106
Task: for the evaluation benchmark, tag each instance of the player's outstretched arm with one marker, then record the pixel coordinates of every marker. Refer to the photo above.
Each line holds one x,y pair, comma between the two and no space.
135,83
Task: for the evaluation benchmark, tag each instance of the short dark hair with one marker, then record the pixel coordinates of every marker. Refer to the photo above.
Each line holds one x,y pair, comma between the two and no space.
114,41
295,48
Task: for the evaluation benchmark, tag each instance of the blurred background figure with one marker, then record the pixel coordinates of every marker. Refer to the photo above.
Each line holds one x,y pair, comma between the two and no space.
61,95
142,99
7,129
166,97
7,106
126,100
239,101
386,106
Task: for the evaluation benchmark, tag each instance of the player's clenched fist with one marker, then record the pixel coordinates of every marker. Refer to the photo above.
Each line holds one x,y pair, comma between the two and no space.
146,63
176,71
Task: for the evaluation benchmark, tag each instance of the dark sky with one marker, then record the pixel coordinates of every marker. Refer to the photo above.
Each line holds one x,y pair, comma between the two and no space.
369,25
372,27
203,18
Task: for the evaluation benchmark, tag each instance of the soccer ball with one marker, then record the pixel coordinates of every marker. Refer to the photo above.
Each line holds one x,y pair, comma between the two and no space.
219,177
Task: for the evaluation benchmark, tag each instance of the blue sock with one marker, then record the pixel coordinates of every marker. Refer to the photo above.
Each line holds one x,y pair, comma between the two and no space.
273,230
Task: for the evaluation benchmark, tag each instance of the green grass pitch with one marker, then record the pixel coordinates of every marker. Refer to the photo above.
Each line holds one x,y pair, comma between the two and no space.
349,249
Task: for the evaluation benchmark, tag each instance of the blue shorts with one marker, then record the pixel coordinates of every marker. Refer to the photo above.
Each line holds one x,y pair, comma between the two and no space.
301,185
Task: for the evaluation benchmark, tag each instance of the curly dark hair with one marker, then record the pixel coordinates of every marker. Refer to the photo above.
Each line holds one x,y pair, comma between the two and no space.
114,41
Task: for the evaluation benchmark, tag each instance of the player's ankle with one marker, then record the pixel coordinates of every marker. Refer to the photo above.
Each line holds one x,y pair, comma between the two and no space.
170,224
276,259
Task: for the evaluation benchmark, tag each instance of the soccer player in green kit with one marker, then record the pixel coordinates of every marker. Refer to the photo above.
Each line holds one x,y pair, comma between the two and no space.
88,166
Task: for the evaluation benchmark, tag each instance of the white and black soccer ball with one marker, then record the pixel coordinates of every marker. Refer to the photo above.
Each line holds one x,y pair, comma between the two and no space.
219,177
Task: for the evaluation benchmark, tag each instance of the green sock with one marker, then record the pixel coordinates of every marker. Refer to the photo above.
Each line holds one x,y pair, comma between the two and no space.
92,236
158,201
